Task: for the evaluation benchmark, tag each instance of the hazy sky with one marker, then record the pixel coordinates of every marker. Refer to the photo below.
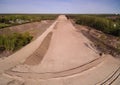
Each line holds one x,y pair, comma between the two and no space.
59,6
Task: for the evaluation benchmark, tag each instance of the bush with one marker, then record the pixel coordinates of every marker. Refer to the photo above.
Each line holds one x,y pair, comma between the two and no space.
99,23
3,25
14,41
11,19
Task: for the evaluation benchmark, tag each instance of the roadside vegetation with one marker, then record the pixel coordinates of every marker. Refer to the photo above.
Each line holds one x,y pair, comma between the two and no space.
102,23
7,20
103,30
14,41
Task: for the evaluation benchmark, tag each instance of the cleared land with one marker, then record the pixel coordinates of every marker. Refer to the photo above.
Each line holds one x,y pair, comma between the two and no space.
70,59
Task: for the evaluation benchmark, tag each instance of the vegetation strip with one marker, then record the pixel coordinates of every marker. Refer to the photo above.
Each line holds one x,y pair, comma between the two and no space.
14,41
104,24
7,20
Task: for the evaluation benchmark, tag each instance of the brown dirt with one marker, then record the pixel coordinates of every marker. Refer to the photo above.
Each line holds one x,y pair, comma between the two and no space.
65,50
38,55
103,42
35,28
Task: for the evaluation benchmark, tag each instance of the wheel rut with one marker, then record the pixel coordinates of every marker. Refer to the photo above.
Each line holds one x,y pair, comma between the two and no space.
111,78
65,73
65,57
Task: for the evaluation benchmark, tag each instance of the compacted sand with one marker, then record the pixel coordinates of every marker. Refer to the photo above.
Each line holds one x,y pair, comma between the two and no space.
61,56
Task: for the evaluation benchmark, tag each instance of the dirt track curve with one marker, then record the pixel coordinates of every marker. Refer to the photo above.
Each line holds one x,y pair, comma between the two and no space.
60,56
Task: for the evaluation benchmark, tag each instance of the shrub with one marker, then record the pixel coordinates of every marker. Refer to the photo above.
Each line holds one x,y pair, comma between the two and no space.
3,25
14,41
99,23
11,20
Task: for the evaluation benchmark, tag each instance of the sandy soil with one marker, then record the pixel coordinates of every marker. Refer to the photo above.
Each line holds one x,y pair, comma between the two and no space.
65,51
38,55
34,28
70,59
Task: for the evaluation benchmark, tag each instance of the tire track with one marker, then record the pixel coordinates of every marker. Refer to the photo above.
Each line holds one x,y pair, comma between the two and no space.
49,75
111,78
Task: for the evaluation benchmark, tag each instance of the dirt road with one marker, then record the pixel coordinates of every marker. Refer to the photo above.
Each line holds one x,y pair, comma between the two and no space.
69,58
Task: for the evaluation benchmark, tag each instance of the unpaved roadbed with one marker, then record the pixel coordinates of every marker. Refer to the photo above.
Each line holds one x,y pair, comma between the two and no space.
70,59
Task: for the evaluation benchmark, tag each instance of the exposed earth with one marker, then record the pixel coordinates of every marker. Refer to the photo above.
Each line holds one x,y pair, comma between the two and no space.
35,29
62,55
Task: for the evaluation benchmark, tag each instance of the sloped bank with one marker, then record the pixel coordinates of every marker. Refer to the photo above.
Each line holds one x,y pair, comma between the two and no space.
38,55
21,55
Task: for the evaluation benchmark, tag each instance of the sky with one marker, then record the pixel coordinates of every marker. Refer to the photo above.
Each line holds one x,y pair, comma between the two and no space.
60,6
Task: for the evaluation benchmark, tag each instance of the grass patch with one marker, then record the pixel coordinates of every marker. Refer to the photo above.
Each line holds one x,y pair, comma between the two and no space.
15,41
